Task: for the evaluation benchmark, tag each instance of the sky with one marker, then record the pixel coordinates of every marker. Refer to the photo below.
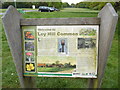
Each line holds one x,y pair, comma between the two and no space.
72,1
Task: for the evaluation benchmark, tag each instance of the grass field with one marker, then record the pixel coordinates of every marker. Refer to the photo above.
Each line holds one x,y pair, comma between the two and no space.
3,10
9,75
78,10
67,12
53,69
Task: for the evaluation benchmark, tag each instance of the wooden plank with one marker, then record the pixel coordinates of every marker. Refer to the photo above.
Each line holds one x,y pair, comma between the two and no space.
61,21
108,23
0,52
11,22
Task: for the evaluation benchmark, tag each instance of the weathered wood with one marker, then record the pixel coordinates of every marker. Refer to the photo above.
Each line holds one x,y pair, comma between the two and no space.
11,22
107,28
0,52
61,21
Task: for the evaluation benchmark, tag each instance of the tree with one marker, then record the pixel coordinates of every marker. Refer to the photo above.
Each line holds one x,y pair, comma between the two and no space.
55,4
117,6
65,4
6,4
57,62
96,5
73,5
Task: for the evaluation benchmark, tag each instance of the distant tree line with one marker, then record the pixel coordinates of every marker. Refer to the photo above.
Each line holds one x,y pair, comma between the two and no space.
96,5
59,5
65,4
29,4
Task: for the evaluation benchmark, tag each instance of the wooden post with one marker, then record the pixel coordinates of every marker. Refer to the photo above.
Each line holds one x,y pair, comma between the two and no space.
11,22
107,28
0,51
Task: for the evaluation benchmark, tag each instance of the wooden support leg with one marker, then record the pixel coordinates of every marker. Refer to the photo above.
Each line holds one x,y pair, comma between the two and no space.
11,22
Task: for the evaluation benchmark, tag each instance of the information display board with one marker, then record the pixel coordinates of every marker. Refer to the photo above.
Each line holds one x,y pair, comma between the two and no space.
61,51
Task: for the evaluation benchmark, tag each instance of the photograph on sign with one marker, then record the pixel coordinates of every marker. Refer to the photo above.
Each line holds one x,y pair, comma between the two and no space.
61,51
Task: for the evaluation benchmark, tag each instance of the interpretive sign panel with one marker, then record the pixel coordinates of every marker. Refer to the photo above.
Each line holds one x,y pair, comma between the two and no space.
60,47
61,51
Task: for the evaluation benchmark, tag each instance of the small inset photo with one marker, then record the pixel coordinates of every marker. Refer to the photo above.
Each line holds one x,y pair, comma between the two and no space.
29,35
29,56
86,43
30,67
29,46
62,45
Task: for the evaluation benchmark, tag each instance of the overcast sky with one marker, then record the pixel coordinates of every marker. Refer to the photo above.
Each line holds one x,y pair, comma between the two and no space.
72,1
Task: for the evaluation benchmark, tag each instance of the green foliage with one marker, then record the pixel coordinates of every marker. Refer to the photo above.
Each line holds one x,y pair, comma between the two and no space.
64,5
117,6
93,4
96,5
101,5
73,5
82,5
55,4
29,4
6,4
57,62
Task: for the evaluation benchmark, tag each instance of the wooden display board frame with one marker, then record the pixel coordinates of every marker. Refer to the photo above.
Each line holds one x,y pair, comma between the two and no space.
12,21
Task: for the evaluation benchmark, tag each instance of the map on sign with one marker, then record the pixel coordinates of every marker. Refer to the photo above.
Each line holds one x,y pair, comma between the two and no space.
61,51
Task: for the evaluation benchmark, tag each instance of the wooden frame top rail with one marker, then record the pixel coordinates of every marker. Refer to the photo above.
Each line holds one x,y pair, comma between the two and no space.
60,21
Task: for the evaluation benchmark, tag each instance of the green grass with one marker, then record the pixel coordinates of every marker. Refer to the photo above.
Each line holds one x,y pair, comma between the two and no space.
67,12
9,75
52,69
59,14
78,10
2,10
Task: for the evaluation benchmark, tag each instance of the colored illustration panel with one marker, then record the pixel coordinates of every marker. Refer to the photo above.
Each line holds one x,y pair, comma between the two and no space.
29,35
29,49
30,67
29,56
29,46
